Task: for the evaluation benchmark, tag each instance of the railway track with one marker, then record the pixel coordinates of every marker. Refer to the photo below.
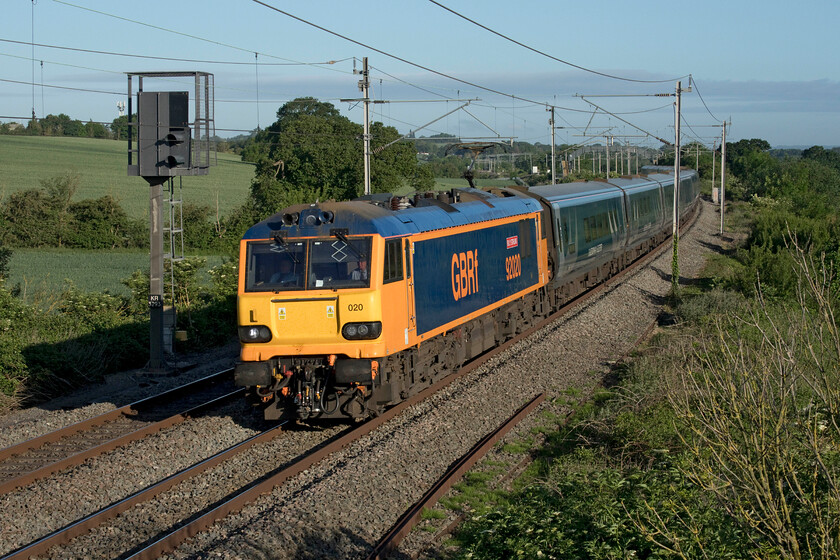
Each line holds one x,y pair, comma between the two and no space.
390,541
195,522
39,457
199,522
409,519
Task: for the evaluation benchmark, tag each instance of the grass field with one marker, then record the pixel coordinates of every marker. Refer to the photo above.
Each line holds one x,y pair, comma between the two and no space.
46,271
101,164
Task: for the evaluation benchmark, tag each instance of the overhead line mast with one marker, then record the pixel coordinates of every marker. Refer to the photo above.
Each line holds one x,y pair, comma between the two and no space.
364,86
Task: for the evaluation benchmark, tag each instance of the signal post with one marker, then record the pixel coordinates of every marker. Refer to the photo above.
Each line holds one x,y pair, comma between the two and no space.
166,149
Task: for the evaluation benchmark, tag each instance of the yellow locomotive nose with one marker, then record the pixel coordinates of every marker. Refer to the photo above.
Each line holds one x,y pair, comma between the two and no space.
312,323
314,320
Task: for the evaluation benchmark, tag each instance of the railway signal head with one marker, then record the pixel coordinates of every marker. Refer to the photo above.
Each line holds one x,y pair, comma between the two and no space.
164,145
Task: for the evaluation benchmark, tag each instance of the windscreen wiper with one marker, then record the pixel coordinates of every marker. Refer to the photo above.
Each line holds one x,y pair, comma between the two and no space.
279,237
341,234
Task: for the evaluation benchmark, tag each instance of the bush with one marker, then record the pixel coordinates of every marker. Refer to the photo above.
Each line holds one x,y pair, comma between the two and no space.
761,402
605,513
47,217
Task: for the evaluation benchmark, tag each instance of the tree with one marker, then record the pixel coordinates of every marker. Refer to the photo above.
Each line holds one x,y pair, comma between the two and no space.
62,125
119,127
394,166
313,152
29,219
99,224
5,257
60,190
743,147
820,154
95,130
310,146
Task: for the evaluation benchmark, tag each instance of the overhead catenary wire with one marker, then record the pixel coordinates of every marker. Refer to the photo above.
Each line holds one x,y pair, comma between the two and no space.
523,45
628,122
406,61
196,37
32,43
171,80
88,90
513,109
421,88
694,83
122,93
176,59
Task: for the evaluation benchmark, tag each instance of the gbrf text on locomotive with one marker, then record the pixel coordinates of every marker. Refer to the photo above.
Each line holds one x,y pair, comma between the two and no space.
464,274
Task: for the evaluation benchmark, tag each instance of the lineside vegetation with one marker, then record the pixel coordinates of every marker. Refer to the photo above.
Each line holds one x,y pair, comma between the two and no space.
720,439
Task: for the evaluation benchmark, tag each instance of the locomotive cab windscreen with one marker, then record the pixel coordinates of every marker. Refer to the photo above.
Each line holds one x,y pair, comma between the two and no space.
315,264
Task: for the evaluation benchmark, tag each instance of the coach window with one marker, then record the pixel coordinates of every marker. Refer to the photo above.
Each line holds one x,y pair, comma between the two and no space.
393,269
570,233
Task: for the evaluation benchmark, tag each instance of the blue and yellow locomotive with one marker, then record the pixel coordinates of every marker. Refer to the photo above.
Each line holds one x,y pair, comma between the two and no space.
346,308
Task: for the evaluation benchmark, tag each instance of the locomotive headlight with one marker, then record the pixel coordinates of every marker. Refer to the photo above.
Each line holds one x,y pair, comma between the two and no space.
255,333
362,331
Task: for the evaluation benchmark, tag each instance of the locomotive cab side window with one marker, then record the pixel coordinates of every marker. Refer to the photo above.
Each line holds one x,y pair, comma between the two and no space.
393,269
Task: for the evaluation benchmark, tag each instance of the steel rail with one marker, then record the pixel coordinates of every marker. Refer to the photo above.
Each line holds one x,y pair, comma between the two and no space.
528,459
130,411
409,519
172,540
85,524
238,500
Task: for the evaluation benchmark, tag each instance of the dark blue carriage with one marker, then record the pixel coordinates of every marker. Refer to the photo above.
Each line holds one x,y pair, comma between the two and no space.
589,223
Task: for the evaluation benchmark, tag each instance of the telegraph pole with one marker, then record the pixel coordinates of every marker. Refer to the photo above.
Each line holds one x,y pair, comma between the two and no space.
722,174
364,85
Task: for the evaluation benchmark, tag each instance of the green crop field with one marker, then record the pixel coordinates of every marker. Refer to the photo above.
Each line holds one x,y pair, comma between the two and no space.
101,165
46,271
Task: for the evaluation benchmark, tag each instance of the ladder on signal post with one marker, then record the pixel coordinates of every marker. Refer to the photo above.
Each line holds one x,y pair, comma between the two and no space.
173,231
173,252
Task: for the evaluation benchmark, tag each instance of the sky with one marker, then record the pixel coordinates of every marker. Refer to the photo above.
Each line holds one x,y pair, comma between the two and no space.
771,70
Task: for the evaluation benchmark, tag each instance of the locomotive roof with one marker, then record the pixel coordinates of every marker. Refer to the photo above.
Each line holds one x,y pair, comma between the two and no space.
370,216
